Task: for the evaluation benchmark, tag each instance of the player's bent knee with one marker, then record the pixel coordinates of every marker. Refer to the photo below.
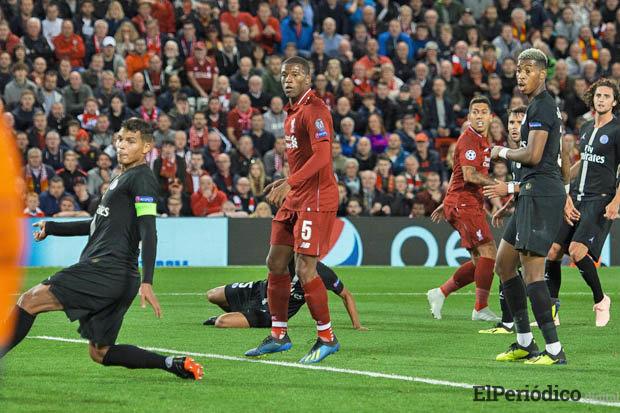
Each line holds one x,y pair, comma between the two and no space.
212,295
97,354
222,322
277,265
577,251
555,252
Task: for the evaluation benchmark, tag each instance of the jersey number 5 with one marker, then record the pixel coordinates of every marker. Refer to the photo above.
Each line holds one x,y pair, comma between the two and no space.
306,230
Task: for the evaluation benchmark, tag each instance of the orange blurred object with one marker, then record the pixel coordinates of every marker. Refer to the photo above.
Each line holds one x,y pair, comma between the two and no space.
11,235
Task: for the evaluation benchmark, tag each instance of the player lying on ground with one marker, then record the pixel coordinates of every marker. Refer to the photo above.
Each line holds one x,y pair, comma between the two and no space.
463,208
538,215
594,199
100,288
301,228
246,306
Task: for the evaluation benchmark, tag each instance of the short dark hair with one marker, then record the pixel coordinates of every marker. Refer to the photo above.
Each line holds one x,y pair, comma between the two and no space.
139,125
296,60
479,99
588,97
56,179
536,55
167,142
521,109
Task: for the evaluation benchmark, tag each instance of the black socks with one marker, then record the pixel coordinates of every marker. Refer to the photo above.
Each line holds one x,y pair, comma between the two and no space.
133,357
541,307
23,324
590,275
516,298
553,277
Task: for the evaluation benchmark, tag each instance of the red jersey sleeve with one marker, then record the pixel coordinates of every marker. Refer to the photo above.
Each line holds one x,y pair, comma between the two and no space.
319,123
469,152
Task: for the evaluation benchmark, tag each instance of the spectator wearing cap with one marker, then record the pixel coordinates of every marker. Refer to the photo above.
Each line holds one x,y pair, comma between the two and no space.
75,94
51,24
15,88
428,159
24,112
296,30
227,59
53,152
50,199
36,173
439,117
233,18
111,59
268,33
36,45
202,70
389,40
69,45
99,174
169,166
70,171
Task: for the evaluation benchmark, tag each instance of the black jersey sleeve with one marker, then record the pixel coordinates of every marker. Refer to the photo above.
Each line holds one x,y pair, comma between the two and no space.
542,116
329,278
68,229
144,191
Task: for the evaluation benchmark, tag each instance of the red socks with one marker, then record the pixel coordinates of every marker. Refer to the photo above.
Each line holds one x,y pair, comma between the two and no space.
463,276
278,294
483,276
316,298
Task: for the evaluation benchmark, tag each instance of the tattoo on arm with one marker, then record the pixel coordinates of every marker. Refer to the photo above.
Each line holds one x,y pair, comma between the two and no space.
471,175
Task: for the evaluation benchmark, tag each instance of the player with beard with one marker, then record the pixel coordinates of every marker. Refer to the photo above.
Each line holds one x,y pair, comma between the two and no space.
594,200
463,208
538,215
100,288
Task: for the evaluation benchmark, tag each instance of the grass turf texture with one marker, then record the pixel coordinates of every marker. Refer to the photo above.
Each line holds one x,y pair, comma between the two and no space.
42,375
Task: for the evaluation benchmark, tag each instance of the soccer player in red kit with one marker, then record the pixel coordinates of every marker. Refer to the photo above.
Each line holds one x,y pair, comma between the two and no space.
463,208
308,202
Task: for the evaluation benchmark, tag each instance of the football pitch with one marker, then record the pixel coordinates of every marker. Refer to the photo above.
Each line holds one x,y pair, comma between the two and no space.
407,361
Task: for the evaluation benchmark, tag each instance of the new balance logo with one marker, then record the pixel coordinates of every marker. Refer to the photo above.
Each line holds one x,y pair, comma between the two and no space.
304,245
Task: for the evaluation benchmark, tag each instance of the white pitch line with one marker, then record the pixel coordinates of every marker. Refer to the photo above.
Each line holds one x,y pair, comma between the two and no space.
576,293
374,374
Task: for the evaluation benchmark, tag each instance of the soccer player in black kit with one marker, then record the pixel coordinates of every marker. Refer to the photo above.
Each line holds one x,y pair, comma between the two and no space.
538,215
594,200
246,305
100,288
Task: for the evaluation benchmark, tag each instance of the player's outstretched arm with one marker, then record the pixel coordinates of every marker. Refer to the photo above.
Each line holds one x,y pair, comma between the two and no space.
349,304
530,155
148,235
61,229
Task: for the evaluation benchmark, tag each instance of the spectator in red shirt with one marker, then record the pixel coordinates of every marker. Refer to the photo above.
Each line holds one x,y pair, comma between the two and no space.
372,61
268,33
209,199
32,206
198,132
201,70
145,14
8,40
69,45
240,119
231,20
163,12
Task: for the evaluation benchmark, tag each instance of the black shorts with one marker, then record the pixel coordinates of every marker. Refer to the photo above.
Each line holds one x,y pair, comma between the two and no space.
249,299
510,230
97,296
591,229
537,223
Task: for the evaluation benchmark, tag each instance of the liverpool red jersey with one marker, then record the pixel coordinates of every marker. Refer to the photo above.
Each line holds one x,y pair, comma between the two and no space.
472,149
309,122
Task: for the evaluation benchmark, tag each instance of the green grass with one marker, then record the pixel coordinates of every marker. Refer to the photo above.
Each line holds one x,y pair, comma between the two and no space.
43,376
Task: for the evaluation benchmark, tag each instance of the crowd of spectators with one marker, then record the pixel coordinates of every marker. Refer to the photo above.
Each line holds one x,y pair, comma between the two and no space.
397,76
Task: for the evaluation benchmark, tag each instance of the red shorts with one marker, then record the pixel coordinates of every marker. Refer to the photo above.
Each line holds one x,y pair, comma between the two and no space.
307,232
470,223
